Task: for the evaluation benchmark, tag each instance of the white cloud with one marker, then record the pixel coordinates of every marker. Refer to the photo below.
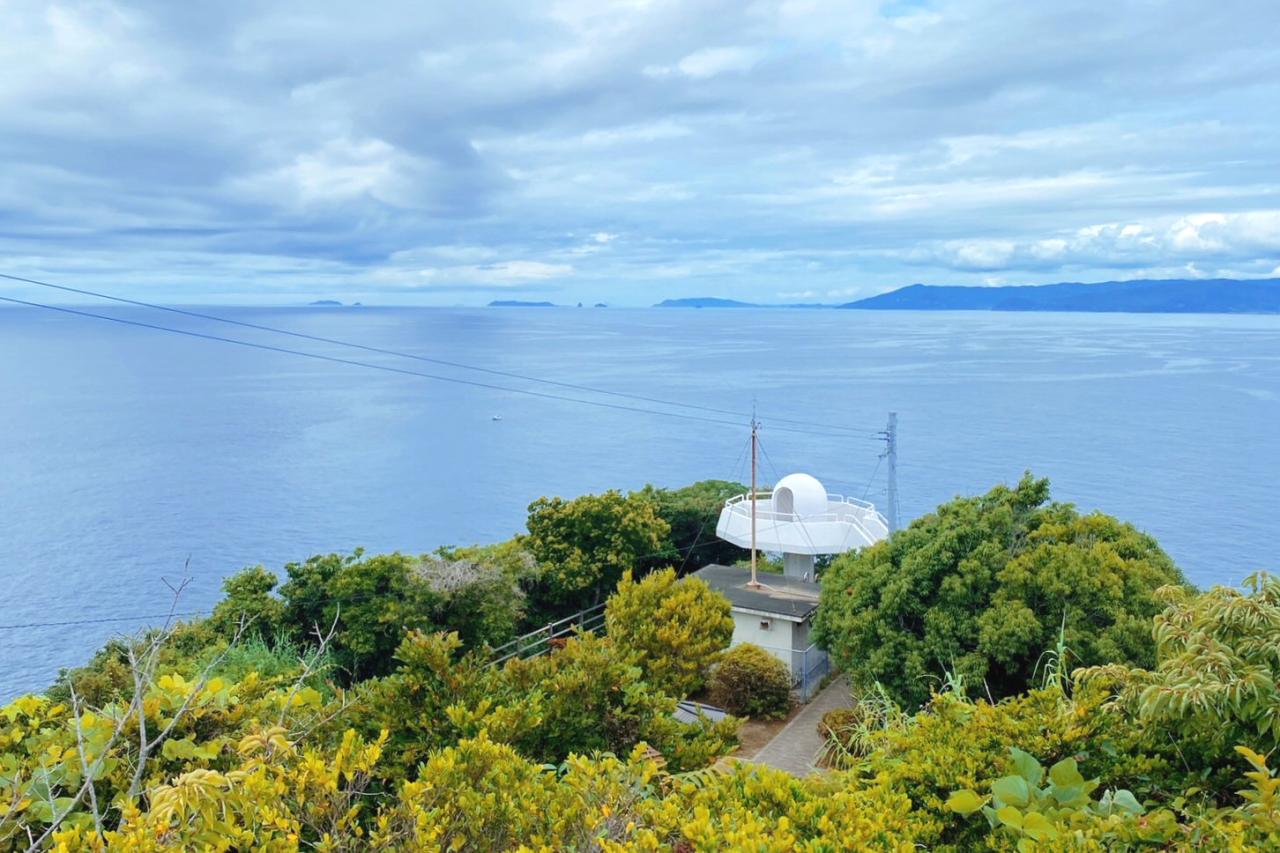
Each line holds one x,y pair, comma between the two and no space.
1191,240
710,62
342,170
498,274
821,143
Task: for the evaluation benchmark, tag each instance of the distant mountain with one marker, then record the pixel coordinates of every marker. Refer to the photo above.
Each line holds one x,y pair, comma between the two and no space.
703,302
1174,296
516,303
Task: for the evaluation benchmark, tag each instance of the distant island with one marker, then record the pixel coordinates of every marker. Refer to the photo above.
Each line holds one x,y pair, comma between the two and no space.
326,303
516,303
1141,296
715,302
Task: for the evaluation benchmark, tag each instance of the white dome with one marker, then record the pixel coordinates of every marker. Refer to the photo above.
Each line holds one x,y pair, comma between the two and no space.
800,494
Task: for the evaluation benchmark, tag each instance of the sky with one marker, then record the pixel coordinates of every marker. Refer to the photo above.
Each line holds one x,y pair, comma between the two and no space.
447,153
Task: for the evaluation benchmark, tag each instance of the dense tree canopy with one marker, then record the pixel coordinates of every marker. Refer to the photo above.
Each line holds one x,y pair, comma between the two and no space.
692,513
674,628
204,736
984,586
584,545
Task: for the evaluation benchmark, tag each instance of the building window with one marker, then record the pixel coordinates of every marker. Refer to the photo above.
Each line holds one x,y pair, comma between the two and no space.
765,624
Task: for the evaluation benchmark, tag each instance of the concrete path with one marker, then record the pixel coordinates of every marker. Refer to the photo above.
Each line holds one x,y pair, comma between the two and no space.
795,748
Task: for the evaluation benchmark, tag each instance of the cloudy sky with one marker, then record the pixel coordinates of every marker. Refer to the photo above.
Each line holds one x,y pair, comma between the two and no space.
805,150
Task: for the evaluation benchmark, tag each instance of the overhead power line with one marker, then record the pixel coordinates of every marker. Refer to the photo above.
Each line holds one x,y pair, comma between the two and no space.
399,370
809,425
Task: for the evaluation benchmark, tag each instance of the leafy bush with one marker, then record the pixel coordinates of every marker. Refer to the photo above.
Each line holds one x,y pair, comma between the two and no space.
1055,811
956,743
750,682
849,734
248,602
674,628
691,513
1216,681
982,586
584,545
481,601
1034,807
369,603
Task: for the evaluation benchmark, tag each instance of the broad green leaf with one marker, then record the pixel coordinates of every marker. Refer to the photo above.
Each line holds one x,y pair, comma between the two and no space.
1127,801
1011,791
1038,827
1026,766
1072,796
1065,773
964,802
1010,816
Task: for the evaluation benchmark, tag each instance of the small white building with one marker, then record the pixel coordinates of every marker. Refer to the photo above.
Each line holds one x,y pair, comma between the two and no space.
800,520
776,615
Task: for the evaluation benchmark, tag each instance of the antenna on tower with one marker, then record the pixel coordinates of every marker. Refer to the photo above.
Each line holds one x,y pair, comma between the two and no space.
890,438
755,426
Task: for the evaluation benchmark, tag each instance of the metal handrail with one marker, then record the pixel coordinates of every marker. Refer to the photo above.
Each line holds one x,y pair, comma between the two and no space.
584,621
740,505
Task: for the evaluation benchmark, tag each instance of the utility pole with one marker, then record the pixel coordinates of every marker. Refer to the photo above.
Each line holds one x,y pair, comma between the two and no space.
754,584
890,436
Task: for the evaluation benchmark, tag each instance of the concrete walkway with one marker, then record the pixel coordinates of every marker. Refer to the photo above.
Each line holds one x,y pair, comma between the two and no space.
796,747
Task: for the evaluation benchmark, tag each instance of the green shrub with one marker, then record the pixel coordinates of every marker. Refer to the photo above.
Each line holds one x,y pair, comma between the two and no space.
982,586
584,545
691,512
1216,681
750,682
674,628
837,721
369,603
248,605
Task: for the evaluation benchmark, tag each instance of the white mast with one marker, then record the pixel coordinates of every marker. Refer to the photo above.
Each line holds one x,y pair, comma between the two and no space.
754,583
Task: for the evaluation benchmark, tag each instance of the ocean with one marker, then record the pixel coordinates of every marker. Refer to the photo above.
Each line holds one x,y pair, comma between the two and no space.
133,458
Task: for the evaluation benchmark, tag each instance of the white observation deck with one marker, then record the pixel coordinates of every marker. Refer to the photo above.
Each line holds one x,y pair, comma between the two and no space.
798,516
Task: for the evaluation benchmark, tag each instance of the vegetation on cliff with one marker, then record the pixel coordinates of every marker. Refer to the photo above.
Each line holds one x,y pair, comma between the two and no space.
356,706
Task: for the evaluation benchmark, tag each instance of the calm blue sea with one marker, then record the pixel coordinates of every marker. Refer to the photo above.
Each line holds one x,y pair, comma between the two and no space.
127,454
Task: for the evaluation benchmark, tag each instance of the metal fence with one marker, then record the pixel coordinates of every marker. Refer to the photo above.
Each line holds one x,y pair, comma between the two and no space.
544,639
808,667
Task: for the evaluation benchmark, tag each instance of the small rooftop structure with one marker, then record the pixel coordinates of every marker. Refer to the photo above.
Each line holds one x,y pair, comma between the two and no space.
780,597
801,520
774,615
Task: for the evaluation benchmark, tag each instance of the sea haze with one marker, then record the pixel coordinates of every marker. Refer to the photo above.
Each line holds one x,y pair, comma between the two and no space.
128,452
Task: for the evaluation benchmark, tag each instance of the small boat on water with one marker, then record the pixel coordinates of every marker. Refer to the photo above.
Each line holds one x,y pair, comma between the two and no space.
496,418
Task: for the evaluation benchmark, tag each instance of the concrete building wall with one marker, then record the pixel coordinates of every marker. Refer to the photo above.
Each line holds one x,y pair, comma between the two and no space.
778,639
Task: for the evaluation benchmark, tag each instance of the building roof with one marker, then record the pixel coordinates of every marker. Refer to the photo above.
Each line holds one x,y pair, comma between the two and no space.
788,598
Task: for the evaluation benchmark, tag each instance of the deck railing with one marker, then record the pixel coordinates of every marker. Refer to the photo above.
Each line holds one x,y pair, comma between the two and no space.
542,640
848,506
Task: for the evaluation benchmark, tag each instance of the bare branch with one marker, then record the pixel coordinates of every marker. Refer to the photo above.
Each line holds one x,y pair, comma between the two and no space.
308,666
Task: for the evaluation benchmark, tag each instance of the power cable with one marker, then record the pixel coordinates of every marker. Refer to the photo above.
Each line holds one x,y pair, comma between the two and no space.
400,354
391,369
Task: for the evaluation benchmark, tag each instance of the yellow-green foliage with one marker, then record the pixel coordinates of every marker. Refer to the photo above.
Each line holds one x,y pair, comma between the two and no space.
1216,682
675,628
750,682
584,545
1033,810
253,767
